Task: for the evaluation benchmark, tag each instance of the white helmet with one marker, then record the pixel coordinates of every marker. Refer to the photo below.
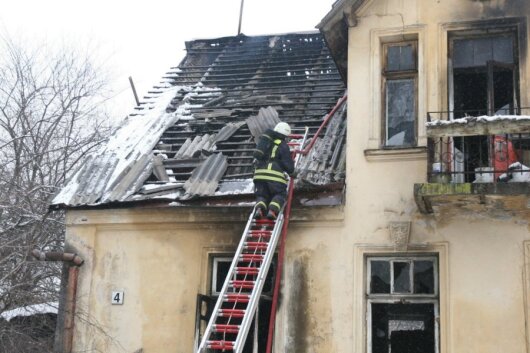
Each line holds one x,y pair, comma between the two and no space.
283,128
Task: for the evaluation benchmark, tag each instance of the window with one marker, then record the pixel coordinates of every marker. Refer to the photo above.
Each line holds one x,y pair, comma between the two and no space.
258,333
400,94
402,294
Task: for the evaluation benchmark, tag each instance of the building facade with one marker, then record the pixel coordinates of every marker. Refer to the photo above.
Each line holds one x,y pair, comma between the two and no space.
428,250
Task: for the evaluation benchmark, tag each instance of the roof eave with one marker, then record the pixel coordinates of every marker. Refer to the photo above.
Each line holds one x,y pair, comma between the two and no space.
334,15
309,196
334,27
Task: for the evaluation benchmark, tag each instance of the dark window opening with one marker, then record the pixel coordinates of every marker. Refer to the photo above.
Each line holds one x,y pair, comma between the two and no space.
423,277
402,304
485,82
401,277
380,280
258,333
403,328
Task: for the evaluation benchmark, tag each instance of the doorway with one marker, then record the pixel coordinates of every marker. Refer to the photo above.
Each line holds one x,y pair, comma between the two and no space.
483,81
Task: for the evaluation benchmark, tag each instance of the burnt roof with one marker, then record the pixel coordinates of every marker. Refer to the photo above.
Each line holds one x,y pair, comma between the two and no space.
193,135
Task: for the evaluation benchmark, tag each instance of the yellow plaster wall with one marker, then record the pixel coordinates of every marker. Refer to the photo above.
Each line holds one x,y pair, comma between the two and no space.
159,266
159,257
484,285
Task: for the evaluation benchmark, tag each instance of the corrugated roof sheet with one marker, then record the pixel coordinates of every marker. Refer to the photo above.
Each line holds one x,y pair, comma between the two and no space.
205,178
201,122
267,118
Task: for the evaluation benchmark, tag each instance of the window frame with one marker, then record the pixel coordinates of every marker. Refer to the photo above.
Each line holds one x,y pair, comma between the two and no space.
387,76
215,263
410,259
483,31
402,298
214,258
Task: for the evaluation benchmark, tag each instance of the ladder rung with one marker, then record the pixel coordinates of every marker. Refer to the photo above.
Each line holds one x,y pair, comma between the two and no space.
226,328
220,345
231,312
247,270
237,298
296,136
293,143
243,284
256,245
260,233
264,221
251,258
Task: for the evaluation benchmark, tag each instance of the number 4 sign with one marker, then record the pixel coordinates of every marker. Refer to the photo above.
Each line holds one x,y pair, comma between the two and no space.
117,298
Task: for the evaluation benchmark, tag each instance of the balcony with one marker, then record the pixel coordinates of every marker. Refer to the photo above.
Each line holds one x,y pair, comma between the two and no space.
476,163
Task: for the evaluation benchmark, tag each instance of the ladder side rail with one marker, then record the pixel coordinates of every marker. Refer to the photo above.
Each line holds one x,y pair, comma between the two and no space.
260,282
264,269
226,284
281,252
328,117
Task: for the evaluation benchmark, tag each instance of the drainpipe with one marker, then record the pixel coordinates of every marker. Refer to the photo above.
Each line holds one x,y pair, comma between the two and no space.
72,262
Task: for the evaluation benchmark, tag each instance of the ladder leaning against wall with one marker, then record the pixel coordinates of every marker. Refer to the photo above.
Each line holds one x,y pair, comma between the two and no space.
234,310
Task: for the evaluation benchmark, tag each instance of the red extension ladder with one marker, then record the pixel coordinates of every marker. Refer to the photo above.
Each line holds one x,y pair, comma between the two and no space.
233,313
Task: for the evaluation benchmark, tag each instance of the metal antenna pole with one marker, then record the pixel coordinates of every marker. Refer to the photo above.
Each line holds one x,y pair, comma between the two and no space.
240,17
134,91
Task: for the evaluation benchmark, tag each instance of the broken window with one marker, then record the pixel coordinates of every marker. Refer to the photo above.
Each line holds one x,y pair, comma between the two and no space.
402,304
400,94
258,332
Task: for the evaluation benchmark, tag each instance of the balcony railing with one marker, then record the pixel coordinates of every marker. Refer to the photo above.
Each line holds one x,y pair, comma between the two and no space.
466,148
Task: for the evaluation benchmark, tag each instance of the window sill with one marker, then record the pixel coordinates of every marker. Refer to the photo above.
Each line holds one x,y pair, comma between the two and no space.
396,154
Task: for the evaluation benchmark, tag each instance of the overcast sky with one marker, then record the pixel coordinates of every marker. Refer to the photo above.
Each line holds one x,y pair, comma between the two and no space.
143,39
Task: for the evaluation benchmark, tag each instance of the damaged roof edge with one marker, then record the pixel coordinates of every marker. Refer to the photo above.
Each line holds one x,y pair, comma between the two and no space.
334,28
337,12
325,195
188,43
198,128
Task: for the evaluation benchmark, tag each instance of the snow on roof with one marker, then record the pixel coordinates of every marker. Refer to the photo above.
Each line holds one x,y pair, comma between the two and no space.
221,95
484,119
130,145
44,308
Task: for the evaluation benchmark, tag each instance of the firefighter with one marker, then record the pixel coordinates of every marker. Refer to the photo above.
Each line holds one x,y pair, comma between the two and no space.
272,160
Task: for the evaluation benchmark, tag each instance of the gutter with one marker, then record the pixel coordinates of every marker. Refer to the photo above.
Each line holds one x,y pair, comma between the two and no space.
72,262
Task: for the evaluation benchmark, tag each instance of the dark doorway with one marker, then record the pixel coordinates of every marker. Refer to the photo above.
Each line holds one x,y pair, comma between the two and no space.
485,80
403,328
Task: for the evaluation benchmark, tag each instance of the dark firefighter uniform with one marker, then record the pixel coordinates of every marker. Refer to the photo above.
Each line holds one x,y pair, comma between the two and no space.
269,178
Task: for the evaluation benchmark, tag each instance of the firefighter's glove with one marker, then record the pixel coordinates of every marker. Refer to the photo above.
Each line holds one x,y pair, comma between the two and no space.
294,174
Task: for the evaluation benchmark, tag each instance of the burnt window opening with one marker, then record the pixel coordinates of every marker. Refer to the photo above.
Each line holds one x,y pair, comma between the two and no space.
400,74
484,80
257,337
402,296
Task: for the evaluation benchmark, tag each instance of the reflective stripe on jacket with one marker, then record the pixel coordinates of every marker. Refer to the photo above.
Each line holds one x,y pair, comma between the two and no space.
279,161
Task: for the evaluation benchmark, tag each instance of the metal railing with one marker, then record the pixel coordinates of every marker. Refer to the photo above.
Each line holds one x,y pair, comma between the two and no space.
492,158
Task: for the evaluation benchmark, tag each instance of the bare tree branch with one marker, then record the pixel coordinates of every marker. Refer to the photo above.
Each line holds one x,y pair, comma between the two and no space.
50,118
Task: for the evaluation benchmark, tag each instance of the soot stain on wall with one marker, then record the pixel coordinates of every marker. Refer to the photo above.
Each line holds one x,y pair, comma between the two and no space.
298,316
